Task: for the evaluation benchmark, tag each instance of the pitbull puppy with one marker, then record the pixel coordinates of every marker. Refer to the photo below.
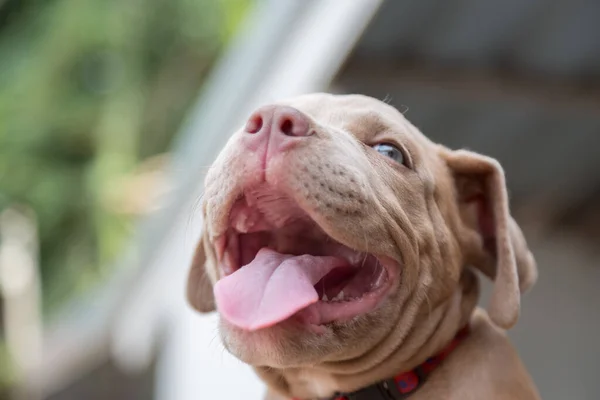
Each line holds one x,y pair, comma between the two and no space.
340,247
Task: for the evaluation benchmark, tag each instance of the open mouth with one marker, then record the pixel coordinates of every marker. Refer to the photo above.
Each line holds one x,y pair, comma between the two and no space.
278,264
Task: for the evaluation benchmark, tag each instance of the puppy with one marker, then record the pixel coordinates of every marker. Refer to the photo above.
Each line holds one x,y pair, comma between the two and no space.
340,247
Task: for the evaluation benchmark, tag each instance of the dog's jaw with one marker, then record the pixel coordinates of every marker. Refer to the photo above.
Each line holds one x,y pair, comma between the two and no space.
268,228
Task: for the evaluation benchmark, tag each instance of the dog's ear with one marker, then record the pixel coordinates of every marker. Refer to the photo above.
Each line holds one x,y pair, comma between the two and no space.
494,242
199,288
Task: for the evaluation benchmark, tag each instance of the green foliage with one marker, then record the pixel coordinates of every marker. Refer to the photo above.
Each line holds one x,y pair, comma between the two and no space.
88,90
7,373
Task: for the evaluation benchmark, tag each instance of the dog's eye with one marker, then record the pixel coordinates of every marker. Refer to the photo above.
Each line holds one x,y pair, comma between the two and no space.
391,151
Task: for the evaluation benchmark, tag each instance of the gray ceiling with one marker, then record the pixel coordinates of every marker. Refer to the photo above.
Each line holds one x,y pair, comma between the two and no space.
516,79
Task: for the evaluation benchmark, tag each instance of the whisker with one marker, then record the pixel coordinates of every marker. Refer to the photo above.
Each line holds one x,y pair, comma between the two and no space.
366,241
193,212
362,265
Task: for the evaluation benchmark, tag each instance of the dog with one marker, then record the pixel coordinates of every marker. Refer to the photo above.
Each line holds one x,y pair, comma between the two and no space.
340,248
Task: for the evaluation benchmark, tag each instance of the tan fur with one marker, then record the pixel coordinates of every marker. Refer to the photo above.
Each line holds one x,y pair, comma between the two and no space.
447,213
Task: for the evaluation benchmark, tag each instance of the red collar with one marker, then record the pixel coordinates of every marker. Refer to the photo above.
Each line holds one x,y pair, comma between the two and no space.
404,384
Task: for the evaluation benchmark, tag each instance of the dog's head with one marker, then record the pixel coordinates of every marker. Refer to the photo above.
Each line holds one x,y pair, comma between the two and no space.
329,218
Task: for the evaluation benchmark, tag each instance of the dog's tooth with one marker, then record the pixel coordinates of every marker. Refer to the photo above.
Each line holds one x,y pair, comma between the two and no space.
340,296
241,224
324,298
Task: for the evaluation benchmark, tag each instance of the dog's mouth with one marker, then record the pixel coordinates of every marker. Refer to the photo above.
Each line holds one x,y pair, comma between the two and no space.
278,264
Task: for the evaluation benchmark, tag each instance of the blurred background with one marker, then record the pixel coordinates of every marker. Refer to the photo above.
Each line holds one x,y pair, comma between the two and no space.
111,111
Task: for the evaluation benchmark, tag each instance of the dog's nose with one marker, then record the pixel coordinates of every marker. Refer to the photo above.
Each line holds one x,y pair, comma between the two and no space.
278,121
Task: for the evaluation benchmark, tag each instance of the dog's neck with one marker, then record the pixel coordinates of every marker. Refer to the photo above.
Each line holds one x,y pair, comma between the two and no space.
423,335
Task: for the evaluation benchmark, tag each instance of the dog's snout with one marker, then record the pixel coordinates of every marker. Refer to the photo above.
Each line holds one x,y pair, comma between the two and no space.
278,120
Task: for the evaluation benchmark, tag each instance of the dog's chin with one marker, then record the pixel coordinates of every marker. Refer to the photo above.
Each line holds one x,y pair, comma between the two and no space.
342,292
293,344
284,345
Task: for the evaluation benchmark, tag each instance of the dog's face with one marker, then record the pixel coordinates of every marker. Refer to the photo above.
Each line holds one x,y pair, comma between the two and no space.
330,222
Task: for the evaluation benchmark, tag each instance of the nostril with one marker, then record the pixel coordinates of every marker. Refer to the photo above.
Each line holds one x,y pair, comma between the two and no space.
291,122
287,127
254,124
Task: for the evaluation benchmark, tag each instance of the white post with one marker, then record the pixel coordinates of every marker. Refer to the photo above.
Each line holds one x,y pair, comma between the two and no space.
21,291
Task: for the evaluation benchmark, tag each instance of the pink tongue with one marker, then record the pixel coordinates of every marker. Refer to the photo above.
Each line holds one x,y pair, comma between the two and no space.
272,288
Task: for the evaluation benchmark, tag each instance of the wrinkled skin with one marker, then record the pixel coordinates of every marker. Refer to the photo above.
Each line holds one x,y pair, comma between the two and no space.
430,219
